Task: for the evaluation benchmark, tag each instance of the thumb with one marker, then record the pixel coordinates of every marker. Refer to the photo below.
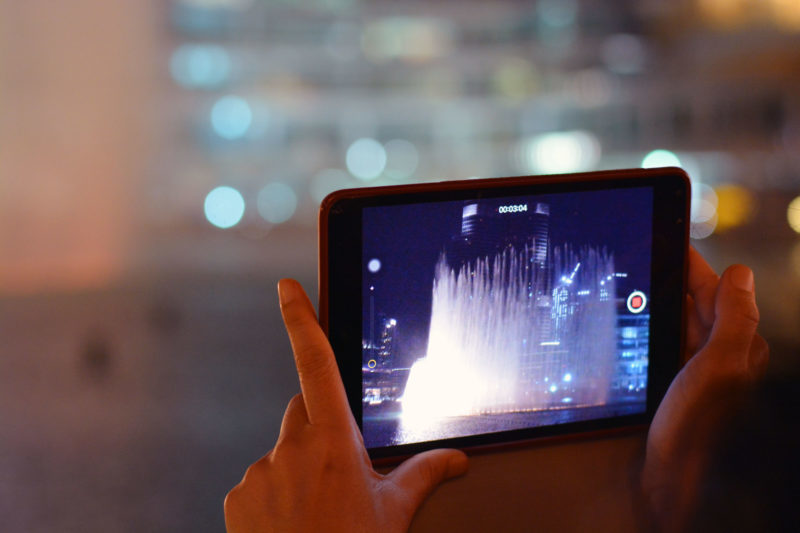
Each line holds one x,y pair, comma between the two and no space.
736,314
418,476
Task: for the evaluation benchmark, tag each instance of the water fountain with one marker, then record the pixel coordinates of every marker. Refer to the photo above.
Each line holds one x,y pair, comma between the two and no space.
509,334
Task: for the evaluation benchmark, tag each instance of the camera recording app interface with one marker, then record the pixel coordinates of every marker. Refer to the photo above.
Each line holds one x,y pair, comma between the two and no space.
496,314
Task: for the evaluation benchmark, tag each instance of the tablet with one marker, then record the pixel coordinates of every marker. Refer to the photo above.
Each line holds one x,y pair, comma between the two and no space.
486,312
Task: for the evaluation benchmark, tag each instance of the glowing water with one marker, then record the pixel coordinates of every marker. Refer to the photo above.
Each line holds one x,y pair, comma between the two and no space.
508,335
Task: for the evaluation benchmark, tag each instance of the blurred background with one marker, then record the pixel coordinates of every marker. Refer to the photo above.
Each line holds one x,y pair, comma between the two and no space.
162,163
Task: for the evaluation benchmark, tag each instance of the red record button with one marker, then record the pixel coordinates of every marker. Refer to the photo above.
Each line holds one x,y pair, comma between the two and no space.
636,302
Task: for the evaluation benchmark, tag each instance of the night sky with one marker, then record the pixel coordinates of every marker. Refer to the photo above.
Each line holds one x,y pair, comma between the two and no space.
408,239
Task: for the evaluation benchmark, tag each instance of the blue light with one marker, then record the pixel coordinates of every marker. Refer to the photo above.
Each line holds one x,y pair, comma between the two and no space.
660,158
402,159
557,13
277,202
366,159
200,65
231,117
224,207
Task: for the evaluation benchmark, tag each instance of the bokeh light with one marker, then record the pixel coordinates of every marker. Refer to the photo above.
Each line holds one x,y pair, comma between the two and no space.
231,117
402,159
559,152
366,159
660,158
413,39
200,65
557,13
786,13
793,214
327,181
515,78
374,265
224,207
704,202
725,13
736,206
276,202
701,230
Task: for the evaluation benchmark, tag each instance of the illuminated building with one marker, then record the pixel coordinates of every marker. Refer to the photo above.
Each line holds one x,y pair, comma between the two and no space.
489,226
633,336
387,347
381,381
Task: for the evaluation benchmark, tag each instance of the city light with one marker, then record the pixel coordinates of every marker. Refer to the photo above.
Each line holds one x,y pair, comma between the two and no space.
704,202
224,207
366,159
725,13
660,158
703,215
793,214
231,117
559,152
402,159
200,65
277,203
735,206
374,265
786,13
516,79
704,229
414,39
557,13
327,181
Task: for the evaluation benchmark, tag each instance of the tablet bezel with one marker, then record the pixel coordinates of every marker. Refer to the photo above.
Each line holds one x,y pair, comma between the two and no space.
340,282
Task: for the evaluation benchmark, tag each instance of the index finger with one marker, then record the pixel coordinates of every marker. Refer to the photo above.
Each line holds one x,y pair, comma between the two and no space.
703,282
323,391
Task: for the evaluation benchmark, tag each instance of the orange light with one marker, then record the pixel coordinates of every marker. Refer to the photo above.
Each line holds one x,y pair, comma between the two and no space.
735,206
793,214
786,13
725,13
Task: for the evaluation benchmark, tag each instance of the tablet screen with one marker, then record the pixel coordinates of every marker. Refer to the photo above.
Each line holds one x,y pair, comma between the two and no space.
504,313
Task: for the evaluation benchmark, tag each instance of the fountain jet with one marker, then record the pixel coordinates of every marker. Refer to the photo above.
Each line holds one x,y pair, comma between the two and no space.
510,334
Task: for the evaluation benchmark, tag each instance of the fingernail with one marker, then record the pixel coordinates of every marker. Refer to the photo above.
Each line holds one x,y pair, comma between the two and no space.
742,278
285,292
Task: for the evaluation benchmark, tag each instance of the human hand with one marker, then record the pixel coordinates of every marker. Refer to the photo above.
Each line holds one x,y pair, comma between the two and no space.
318,477
724,355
